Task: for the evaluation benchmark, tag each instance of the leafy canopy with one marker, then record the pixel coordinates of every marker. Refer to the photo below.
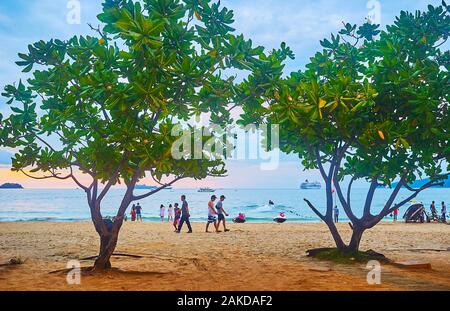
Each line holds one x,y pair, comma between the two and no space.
112,100
381,97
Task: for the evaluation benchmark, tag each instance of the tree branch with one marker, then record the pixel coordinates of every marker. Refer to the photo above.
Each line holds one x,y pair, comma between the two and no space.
86,189
46,177
392,197
369,197
314,209
345,203
349,190
45,143
319,164
415,194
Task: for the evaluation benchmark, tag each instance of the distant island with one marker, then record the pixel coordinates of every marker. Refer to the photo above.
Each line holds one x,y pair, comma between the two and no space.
141,187
421,183
11,186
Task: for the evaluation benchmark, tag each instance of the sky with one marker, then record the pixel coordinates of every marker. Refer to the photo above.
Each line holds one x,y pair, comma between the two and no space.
299,23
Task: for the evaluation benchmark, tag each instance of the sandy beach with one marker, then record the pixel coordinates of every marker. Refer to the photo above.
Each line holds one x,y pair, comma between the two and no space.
250,257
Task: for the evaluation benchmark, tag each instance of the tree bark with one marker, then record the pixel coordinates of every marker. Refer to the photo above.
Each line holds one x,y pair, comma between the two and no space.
355,240
336,236
110,236
108,242
103,261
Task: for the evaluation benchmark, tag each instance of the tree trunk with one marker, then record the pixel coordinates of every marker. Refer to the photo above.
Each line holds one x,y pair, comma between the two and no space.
336,236
108,240
107,247
109,233
355,240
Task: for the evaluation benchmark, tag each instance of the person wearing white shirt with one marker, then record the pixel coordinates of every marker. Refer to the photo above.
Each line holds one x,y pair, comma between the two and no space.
170,213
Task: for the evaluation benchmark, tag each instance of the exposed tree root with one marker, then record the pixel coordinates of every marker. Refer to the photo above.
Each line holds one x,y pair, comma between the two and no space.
115,255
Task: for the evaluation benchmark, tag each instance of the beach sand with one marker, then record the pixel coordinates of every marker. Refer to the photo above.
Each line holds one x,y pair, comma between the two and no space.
250,257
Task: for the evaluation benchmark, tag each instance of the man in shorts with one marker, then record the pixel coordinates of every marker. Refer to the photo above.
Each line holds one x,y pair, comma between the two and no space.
212,215
221,213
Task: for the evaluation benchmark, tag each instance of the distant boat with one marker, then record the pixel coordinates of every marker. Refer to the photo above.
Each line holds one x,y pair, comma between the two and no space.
11,186
310,185
206,190
145,187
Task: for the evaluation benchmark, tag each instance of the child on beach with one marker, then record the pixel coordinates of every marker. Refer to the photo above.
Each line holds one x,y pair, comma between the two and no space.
176,220
221,213
161,212
170,213
211,215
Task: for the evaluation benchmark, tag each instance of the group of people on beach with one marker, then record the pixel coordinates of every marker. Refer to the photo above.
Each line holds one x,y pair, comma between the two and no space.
136,212
180,216
434,213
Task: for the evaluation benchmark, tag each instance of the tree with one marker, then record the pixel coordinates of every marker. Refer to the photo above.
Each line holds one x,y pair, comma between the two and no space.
373,105
108,104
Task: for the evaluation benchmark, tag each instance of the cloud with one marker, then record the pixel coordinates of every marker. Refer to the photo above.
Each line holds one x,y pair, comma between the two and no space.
300,23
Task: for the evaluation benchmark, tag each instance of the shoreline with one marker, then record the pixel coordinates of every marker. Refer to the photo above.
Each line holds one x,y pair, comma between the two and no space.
194,221
252,256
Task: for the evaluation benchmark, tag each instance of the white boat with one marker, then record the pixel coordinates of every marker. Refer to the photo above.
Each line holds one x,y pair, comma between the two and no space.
206,190
311,185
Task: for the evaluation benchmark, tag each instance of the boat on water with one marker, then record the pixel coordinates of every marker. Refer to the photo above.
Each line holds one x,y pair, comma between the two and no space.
209,190
311,185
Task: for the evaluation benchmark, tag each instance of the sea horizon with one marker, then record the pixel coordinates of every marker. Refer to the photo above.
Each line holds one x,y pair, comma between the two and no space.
69,205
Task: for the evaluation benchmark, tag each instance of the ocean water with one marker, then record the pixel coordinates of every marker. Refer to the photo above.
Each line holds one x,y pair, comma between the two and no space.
70,204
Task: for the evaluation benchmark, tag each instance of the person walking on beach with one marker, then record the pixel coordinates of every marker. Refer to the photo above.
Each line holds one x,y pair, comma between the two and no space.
133,213
138,212
161,212
176,220
212,215
221,214
434,213
336,214
184,215
395,213
170,213
444,212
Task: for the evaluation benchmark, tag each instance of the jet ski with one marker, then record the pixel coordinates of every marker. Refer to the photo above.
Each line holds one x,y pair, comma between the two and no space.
281,218
240,219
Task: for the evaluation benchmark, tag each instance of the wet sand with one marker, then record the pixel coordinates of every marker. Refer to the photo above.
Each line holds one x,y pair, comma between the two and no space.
251,257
